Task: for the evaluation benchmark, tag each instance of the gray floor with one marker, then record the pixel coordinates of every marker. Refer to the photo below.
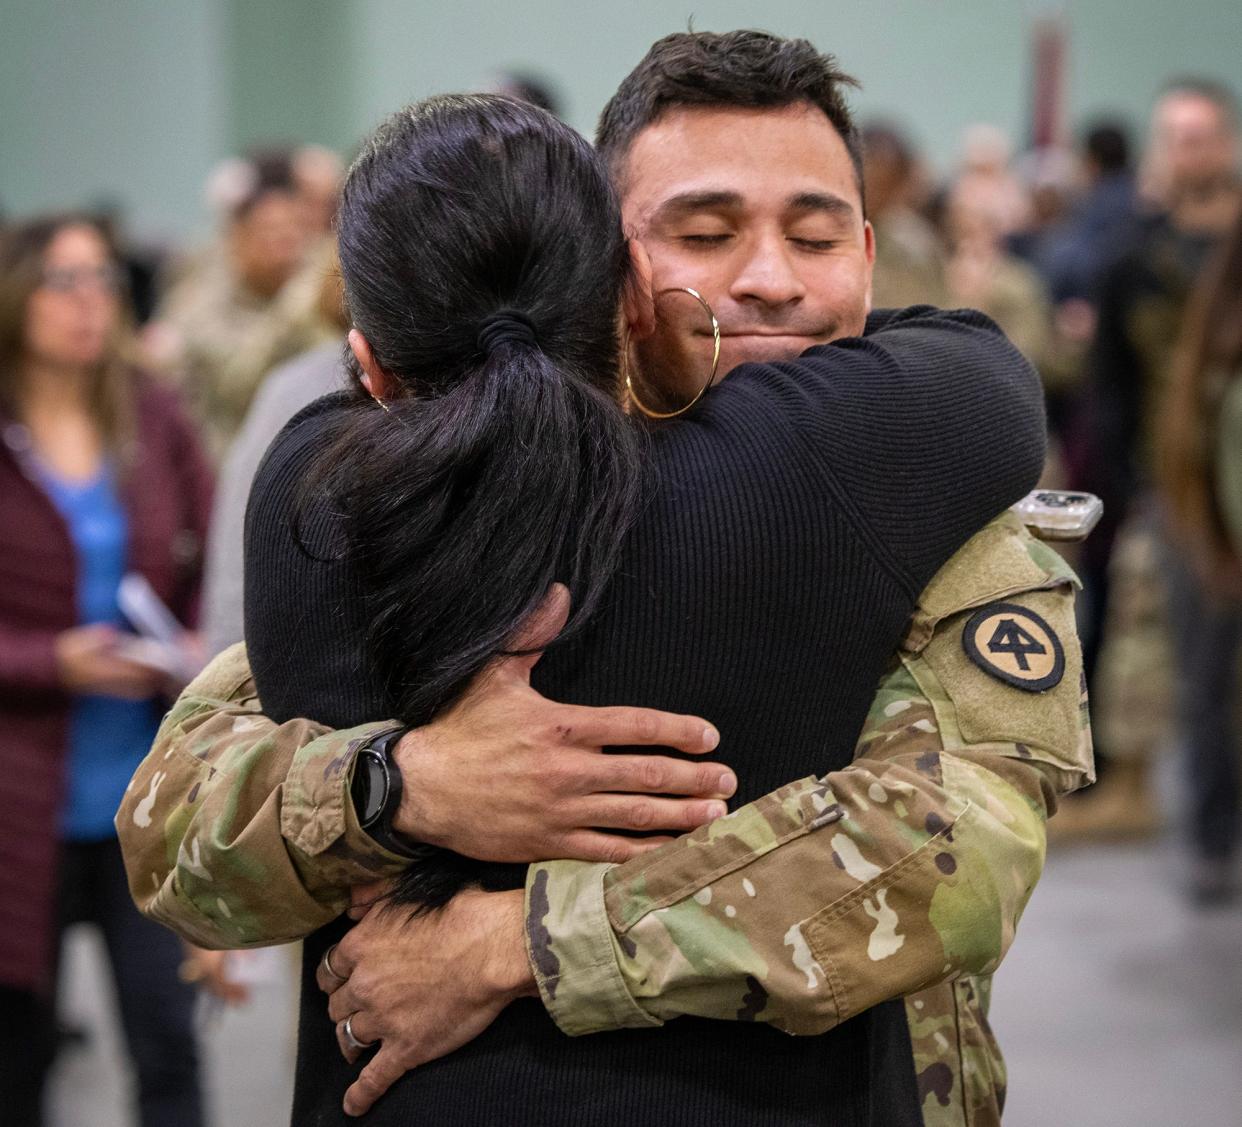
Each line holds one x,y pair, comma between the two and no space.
1119,1006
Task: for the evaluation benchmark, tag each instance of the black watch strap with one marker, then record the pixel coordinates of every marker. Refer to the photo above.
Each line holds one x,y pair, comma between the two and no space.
376,792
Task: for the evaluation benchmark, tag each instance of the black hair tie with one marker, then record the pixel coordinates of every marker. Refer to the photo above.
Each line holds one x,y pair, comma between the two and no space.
506,326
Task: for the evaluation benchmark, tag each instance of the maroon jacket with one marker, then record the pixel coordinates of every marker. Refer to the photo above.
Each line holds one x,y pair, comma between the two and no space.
166,491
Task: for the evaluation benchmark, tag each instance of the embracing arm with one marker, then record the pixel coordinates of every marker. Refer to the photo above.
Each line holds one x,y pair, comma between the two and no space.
828,896
910,867
240,832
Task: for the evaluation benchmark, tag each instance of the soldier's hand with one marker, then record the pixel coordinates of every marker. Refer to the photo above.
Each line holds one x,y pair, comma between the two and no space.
420,988
508,775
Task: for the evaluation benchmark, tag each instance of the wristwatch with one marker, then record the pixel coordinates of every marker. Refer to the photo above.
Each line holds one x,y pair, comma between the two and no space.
376,792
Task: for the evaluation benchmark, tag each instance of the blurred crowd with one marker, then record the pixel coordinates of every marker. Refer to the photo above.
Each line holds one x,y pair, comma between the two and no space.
136,384
1115,268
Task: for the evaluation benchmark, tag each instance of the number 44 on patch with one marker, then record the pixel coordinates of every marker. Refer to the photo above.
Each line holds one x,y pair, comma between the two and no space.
1015,645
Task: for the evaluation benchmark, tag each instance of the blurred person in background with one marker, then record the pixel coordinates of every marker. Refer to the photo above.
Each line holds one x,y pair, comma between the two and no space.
1049,177
909,255
240,312
533,89
100,475
282,395
1192,193
1199,459
982,274
985,172
1076,252
317,176
140,263
1069,256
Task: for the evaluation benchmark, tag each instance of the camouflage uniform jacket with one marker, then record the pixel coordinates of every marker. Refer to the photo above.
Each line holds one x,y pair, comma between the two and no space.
229,338
905,872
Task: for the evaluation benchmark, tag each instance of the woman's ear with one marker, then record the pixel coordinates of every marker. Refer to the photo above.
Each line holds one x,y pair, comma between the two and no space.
379,384
638,298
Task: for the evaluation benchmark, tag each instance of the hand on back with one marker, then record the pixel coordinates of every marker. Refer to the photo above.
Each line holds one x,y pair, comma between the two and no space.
508,775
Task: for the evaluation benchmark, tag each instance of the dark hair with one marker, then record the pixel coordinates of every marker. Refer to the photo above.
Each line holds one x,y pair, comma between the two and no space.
881,138
1208,360
750,69
483,260
23,247
271,169
528,87
1108,145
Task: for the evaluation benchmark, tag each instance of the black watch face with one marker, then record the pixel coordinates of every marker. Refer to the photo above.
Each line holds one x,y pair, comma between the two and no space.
371,790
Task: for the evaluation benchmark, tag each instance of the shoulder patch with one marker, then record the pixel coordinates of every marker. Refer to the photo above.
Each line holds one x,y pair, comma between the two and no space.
1015,645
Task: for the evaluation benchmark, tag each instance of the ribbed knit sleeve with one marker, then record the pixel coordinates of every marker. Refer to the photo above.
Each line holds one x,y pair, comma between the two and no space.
921,430
305,609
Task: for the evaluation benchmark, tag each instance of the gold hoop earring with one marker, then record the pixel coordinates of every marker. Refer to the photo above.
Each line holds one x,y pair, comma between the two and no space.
711,376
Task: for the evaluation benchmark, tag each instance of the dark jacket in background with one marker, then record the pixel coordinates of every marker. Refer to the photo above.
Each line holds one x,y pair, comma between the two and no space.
166,490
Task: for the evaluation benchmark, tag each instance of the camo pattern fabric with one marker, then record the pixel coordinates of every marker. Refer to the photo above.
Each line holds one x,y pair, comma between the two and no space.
238,832
903,875
905,870
227,338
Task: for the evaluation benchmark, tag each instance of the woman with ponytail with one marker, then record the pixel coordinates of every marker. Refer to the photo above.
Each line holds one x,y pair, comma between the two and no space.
755,562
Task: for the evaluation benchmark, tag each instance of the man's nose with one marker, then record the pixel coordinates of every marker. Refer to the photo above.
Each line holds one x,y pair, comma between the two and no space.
768,275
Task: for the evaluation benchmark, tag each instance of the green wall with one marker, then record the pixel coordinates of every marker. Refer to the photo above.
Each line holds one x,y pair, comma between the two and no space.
135,99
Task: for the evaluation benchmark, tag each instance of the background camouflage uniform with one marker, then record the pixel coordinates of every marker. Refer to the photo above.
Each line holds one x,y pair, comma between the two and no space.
229,338
905,872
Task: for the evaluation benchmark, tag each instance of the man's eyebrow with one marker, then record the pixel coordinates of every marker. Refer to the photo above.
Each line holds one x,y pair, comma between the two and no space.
687,202
823,201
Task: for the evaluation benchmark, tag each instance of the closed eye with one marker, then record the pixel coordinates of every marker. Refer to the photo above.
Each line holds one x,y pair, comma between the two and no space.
706,240
815,244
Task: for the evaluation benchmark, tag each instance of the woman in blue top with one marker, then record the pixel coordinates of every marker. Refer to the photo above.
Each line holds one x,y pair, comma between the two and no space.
100,476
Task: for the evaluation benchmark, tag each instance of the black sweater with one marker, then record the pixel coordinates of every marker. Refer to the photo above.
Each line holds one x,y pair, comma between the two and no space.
798,513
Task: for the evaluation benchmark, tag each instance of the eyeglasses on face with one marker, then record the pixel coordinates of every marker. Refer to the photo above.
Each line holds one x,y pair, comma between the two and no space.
69,279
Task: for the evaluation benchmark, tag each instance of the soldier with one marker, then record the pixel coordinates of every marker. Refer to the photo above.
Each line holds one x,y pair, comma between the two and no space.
909,254
927,846
1192,175
251,303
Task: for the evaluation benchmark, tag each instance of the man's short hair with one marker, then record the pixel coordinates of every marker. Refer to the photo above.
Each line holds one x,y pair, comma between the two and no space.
1108,145
748,69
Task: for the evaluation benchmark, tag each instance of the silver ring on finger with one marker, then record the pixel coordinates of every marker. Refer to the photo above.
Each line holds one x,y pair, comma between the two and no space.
350,1039
326,964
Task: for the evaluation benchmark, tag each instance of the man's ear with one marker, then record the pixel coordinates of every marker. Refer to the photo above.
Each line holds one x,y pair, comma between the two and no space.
379,384
638,298
869,249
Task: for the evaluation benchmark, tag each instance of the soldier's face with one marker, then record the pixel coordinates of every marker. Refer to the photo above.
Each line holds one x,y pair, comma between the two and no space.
1195,140
758,210
269,241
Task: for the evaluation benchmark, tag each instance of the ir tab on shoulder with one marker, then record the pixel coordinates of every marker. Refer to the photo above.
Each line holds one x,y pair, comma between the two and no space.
1015,645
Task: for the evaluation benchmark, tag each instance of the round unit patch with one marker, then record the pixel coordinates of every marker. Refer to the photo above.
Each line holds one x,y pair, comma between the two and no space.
1016,646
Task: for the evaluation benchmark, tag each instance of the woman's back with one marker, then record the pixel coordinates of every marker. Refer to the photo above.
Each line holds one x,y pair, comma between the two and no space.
794,520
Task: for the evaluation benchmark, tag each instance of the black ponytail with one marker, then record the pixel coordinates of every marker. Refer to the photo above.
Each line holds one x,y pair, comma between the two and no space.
483,259
468,505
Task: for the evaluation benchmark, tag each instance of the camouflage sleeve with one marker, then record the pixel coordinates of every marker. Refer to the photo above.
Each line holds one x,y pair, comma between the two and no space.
908,868
237,831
